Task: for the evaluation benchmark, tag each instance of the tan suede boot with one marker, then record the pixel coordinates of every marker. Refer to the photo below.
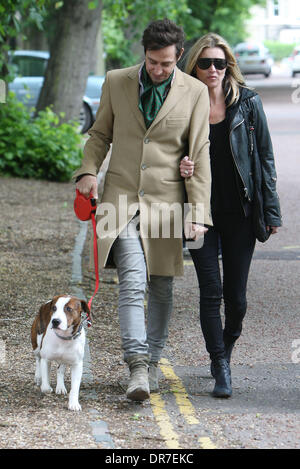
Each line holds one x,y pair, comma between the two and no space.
138,386
153,377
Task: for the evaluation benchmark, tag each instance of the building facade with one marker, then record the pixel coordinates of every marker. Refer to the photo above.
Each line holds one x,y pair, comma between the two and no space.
278,21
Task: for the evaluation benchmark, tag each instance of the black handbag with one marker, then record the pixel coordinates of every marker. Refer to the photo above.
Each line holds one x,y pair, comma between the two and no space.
258,217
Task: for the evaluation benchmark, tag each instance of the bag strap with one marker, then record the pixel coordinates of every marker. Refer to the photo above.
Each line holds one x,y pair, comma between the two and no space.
251,127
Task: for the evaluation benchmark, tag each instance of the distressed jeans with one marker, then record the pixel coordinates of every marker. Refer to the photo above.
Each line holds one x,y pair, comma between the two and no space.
129,258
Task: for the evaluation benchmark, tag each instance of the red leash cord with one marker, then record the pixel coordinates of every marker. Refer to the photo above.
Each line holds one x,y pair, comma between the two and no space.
95,261
85,209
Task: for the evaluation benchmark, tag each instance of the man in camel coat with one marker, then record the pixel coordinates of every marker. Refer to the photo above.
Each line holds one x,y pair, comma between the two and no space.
153,114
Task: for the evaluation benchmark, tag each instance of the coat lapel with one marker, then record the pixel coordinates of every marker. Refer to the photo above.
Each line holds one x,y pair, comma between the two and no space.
132,91
176,93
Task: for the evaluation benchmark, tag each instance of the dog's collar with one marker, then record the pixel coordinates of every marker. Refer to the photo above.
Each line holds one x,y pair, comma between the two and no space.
77,333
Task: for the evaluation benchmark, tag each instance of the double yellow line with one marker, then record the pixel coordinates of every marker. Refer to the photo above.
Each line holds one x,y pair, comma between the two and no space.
185,407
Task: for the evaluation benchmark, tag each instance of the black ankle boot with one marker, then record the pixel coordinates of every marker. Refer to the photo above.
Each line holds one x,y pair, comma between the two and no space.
222,376
228,351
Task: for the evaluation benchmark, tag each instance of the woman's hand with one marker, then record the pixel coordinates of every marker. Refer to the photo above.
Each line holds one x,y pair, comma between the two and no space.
186,167
273,229
193,231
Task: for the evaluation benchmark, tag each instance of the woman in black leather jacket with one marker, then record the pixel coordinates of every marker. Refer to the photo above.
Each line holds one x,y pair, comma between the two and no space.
234,108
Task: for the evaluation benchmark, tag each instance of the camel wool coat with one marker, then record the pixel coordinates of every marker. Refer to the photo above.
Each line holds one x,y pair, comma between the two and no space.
143,172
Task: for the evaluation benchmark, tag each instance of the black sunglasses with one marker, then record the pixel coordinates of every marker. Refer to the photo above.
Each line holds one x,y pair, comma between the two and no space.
205,63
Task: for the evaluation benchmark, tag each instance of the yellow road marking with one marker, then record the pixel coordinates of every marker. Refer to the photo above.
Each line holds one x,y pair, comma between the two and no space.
291,247
188,262
163,421
186,409
206,443
179,391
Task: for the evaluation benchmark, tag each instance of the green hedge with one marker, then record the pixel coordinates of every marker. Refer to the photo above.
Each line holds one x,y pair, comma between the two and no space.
39,148
279,50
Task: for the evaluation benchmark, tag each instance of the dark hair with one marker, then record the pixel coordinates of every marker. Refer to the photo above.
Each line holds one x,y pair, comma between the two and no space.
163,33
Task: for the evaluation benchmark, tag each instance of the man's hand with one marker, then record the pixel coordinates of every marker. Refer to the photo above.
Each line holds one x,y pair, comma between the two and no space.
88,185
194,231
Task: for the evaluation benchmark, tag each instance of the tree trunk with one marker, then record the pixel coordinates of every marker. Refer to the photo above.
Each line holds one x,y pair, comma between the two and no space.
71,53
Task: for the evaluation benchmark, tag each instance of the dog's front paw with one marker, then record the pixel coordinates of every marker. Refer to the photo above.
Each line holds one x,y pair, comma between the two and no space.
37,380
46,388
74,405
60,389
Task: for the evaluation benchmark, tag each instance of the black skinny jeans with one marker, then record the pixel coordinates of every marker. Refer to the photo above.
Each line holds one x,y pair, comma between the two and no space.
237,241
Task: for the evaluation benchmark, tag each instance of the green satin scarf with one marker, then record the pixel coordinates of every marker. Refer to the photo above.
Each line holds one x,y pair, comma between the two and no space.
153,96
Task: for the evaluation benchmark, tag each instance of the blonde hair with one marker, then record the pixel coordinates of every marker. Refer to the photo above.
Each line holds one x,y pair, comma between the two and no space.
233,77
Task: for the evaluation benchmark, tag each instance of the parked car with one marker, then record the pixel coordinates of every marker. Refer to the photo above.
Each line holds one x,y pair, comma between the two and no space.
295,61
31,67
253,58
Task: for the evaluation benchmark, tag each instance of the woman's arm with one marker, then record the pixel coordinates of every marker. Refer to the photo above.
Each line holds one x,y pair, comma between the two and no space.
269,176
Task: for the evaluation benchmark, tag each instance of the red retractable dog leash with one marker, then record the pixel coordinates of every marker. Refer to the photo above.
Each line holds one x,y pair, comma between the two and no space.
85,209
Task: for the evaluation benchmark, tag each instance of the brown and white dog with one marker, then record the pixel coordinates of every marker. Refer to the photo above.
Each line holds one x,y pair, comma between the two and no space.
57,334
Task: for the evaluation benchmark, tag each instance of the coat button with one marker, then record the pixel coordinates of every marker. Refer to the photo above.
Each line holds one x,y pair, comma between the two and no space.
143,166
142,193
147,140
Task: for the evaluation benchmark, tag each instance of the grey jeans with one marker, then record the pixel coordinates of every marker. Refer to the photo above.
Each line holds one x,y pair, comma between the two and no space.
130,261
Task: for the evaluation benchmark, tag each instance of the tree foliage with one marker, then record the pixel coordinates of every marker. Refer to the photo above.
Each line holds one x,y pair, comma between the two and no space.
40,148
15,15
224,17
123,22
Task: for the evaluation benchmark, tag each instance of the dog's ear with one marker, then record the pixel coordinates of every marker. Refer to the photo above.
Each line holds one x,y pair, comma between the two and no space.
45,315
84,307
40,323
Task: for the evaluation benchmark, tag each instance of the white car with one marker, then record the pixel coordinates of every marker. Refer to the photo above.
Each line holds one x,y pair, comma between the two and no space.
253,58
295,61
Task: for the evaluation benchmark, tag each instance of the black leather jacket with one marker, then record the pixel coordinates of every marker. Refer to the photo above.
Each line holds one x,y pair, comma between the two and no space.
238,116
